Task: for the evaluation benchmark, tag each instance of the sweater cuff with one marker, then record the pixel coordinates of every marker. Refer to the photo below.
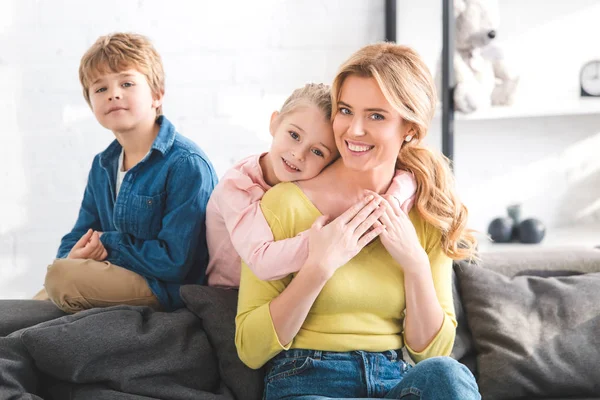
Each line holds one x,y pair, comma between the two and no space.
281,346
440,345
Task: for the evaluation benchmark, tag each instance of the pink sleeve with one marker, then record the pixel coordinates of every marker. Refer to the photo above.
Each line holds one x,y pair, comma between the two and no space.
403,188
251,235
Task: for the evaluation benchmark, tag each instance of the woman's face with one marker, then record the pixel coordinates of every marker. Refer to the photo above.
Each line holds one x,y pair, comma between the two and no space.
368,131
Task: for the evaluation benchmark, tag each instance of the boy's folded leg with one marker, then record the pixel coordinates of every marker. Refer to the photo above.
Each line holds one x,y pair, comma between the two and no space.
41,295
75,285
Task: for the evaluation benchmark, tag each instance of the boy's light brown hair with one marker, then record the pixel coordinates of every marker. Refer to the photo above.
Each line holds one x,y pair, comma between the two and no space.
119,52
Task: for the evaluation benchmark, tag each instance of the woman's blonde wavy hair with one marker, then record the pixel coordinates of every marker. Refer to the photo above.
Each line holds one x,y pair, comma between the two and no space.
408,86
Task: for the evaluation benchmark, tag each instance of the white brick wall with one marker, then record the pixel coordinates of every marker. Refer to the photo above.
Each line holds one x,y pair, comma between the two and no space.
228,65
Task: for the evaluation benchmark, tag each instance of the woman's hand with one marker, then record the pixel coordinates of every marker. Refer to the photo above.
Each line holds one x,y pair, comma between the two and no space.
399,237
331,245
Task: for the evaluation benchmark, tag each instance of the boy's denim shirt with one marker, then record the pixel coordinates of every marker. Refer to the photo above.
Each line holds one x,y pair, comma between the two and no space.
155,227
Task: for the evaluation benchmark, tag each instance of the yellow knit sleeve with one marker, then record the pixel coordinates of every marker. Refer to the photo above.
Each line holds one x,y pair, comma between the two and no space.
441,270
255,337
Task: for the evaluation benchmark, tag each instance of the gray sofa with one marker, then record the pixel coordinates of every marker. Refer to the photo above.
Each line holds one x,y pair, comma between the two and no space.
529,328
529,323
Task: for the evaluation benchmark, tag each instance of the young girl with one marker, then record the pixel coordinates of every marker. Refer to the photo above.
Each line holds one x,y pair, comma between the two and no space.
303,145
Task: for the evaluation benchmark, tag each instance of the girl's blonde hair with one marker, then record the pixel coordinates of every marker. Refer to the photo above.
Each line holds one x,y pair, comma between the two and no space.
119,52
408,86
317,94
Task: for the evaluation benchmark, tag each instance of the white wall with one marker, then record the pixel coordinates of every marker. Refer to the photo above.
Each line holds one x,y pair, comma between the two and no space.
228,65
549,164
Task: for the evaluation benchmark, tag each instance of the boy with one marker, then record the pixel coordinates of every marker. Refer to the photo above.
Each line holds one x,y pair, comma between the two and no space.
140,233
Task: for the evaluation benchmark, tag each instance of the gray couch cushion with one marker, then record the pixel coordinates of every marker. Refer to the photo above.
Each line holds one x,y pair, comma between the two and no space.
464,349
134,351
19,314
535,336
217,309
541,261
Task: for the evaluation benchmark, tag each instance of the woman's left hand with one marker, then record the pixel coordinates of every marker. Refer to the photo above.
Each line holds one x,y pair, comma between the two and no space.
400,238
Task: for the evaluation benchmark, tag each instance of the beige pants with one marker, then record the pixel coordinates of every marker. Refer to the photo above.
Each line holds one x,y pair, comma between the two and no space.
75,285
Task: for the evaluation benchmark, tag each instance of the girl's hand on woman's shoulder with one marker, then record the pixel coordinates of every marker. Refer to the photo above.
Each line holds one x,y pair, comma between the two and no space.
333,244
399,237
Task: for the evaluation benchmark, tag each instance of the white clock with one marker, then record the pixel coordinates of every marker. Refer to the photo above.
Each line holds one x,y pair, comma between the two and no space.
589,79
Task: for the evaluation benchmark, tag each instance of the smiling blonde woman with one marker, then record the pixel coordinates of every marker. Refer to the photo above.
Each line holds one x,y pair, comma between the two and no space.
376,279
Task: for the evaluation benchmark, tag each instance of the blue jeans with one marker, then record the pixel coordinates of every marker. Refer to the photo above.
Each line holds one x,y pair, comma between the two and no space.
313,374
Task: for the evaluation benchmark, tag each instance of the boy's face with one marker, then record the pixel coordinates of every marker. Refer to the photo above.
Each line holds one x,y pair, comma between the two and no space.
121,101
303,144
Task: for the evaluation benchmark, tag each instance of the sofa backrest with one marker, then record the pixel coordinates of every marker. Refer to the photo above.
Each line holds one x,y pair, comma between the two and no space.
528,260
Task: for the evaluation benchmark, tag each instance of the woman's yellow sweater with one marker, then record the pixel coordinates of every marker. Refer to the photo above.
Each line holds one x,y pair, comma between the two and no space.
360,308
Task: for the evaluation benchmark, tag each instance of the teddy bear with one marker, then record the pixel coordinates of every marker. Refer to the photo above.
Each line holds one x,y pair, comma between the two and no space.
482,75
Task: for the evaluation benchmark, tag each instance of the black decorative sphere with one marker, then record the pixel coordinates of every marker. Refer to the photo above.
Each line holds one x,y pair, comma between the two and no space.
515,233
531,231
500,230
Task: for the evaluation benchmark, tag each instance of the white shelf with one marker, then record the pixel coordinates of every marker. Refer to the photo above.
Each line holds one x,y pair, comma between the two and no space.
570,236
583,106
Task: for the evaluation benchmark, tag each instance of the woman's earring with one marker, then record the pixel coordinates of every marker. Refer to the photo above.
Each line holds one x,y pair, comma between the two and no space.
408,138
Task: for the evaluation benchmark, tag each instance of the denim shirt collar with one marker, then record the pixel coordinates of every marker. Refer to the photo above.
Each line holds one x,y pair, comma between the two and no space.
163,143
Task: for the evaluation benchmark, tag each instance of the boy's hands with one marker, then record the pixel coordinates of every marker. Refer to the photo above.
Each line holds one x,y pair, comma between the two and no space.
89,247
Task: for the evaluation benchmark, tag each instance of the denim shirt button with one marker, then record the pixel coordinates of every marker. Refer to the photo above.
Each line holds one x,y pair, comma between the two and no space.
149,202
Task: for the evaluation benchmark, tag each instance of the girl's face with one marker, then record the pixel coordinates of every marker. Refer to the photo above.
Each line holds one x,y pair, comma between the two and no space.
368,130
303,144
